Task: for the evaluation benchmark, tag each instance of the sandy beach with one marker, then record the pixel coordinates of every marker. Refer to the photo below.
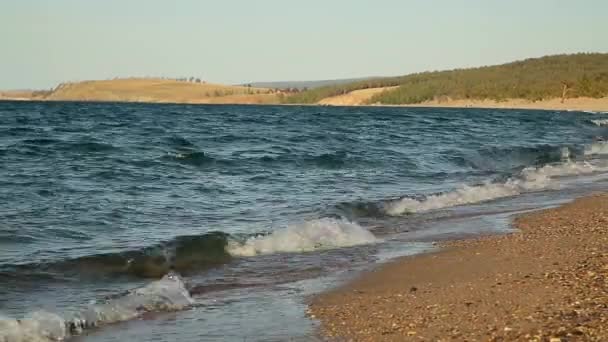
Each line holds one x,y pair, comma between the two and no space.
546,282
362,98
170,91
577,104
353,98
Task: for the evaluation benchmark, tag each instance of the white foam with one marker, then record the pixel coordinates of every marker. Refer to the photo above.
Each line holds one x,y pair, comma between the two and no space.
308,236
530,179
565,152
38,326
166,294
600,122
597,148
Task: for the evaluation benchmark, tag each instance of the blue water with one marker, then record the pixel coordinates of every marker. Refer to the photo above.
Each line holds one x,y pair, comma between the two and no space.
250,200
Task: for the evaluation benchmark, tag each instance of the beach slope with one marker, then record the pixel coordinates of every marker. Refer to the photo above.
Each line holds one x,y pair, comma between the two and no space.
353,98
547,282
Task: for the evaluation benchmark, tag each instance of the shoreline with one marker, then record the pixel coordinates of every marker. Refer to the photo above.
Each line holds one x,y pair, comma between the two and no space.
546,282
573,104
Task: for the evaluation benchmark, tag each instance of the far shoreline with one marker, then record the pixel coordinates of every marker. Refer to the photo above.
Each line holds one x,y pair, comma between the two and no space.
574,104
579,104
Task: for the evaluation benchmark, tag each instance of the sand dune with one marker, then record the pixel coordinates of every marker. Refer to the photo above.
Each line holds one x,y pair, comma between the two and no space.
354,98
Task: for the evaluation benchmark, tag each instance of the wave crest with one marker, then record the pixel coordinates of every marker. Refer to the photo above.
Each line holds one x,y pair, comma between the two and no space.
38,326
598,148
166,294
312,235
183,254
600,122
507,158
194,158
530,179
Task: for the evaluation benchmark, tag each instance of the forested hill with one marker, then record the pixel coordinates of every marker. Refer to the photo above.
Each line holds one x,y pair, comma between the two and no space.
576,75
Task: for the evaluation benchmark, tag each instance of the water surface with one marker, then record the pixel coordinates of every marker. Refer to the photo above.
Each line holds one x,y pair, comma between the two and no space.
257,207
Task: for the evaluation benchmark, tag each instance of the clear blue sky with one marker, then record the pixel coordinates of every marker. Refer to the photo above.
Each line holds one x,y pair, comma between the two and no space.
44,42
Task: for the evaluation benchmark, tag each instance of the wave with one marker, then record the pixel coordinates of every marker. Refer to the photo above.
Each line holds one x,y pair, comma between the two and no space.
511,157
178,141
323,233
167,294
326,160
529,179
597,148
90,146
199,158
46,145
194,253
600,122
184,254
594,112
360,209
41,141
329,160
195,158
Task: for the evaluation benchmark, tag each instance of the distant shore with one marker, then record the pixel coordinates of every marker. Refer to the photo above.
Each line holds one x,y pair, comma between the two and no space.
149,90
547,282
362,97
152,90
576,104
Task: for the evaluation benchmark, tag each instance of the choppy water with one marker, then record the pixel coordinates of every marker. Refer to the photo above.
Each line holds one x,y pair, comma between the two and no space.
254,206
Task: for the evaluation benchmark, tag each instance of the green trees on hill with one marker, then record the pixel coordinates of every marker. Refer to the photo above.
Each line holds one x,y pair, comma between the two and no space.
533,79
317,94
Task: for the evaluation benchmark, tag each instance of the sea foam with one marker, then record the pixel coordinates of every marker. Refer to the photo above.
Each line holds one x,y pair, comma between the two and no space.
38,326
315,234
597,148
600,122
166,294
530,179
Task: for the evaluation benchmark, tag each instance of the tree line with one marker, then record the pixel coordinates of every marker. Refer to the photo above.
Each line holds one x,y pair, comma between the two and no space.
559,76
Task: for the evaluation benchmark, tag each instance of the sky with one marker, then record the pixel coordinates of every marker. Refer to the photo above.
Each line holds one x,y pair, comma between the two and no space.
45,42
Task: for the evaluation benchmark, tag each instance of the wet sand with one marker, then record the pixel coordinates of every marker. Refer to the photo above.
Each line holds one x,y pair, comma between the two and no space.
546,282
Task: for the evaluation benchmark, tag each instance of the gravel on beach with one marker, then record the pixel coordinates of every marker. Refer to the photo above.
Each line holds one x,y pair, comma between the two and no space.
546,282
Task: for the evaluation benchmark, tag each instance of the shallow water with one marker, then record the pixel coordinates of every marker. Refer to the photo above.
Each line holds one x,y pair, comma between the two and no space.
258,207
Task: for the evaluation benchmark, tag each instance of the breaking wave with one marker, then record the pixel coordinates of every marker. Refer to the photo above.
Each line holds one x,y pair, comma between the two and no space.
600,122
166,294
194,253
184,254
529,179
312,235
597,148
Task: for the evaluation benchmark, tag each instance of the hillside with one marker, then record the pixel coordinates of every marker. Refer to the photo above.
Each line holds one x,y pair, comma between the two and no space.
159,90
571,76
308,84
354,98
